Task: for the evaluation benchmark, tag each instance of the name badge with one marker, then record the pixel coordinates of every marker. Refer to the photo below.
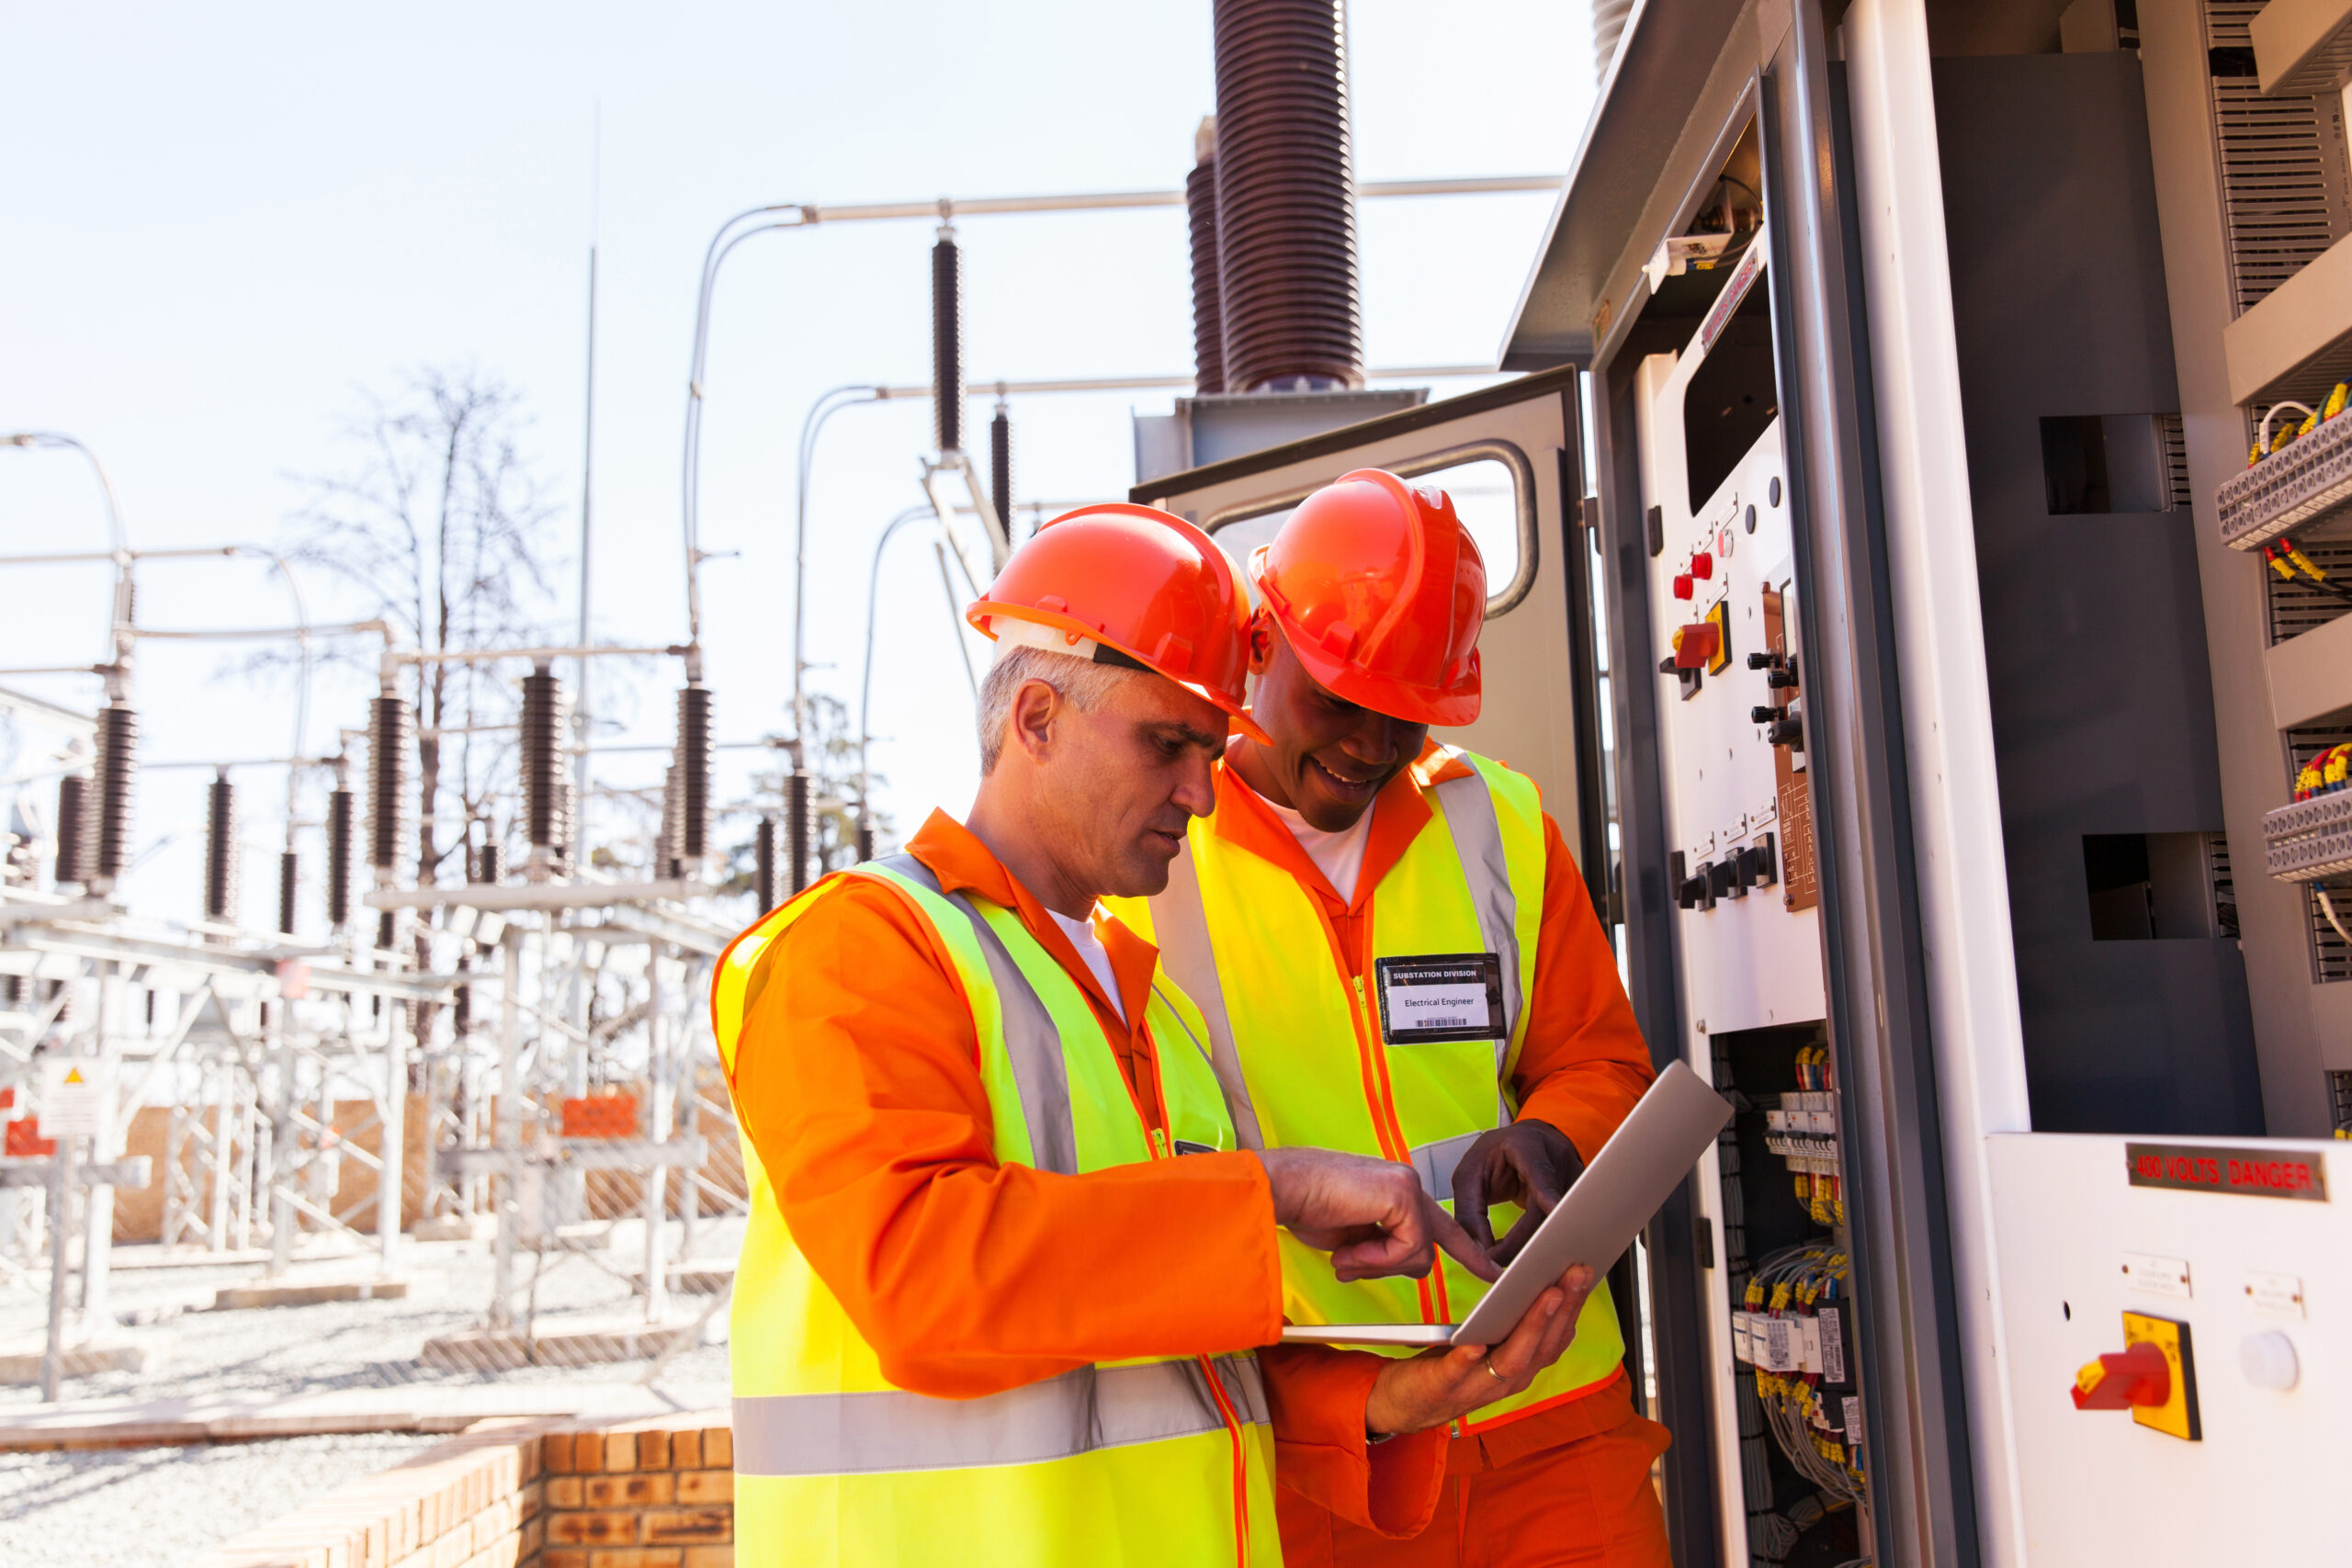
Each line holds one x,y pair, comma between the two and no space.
1450,996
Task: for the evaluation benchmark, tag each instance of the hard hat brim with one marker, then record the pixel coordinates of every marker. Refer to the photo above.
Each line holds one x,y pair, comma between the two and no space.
981,611
1414,704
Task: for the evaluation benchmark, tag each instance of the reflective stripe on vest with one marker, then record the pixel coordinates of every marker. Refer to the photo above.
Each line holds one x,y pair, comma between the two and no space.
1148,1458
1076,1413
1291,1039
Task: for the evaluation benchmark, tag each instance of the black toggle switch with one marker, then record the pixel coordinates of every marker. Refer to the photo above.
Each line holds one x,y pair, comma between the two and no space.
1766,714
1759,863
1763,661
1779,680
1727,878
1789,732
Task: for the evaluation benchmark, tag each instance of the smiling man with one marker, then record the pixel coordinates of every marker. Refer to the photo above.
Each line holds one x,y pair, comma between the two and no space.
1353,872
1006,1260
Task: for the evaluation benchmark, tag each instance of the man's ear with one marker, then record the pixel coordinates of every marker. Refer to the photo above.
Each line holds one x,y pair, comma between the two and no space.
1261,642
1036,709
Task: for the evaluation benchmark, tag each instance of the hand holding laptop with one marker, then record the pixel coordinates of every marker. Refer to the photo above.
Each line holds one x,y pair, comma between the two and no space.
1438,1386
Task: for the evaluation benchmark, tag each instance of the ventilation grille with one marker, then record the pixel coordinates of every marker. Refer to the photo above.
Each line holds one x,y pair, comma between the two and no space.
2219,883
2339,1101
2330,955
2281,163
2172,450
2296,607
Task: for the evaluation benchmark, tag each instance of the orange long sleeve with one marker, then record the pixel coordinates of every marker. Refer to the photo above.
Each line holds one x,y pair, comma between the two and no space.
858,1085
1584,1063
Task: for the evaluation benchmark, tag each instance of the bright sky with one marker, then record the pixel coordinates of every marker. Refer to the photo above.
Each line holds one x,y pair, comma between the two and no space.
224,222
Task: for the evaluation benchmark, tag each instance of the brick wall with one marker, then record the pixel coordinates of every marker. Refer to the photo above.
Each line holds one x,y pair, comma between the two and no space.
657,1494
522,1494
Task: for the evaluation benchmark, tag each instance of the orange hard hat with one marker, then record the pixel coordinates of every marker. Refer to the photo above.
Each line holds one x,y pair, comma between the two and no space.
1148,587
1382,593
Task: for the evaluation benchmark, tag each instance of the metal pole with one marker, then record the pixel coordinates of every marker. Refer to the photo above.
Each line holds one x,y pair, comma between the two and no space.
657,1283
60,1192
391,1147
506,1133
285,1147
812,425
97,1240
866,680
587,494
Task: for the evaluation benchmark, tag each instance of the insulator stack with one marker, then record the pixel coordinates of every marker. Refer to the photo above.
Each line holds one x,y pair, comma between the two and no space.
665,856
545,767
574,829
465,998
763,865
384,932
105,831
1286,196
864,840
12,989
339,848
392,736
801,835
1607,27
693,772
1199,210
289,881
948,343
220,851
1000,469
71,802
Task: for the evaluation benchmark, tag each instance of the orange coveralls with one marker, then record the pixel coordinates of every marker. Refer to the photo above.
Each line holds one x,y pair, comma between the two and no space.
1567,1482
857,1082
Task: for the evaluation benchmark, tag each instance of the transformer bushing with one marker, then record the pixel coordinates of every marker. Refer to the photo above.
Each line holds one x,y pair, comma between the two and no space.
72,792
289,881
339,821
665,854
105,831
802,835
1000,469
763,865
220,851
948,343
1208,318
545,766
694,774
392,734
1287,288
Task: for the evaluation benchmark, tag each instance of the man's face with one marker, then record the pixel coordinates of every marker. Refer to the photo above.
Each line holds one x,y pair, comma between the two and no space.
1329,756
1121,784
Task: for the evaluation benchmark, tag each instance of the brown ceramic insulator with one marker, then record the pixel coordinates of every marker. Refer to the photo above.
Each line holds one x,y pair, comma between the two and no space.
1285,198
220,851
105,831
1208,321
340,818
72,800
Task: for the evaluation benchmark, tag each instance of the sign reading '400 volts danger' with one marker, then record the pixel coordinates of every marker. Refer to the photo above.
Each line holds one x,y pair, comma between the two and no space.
2213,1168
1446,996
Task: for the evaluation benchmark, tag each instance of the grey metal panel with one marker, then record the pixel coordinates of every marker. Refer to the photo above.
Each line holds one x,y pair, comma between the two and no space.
2094,624
1922,1492
1665,63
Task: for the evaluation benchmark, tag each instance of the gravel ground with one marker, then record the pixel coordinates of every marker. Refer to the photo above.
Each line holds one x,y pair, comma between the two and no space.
146,1508
158,1505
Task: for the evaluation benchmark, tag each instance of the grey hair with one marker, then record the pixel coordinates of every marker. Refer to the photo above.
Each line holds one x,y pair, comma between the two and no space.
1080,682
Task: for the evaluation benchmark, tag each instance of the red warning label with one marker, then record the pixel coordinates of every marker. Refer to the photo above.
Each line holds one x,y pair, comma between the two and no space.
2249,1172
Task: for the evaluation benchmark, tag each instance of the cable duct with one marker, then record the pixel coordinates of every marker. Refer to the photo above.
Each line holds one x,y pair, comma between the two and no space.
1286,197
694,774
340,818
1200,213
106,832
73,865
392,734
220,851
947,341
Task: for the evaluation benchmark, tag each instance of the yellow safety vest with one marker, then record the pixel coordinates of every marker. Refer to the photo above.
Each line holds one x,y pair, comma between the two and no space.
1298,1043
1164,1461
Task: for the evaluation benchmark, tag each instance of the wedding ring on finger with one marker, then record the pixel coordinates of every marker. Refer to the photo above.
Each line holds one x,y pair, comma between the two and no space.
1487,1363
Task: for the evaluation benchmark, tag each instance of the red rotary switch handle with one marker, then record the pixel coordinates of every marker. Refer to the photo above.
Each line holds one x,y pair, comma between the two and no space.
2135,1375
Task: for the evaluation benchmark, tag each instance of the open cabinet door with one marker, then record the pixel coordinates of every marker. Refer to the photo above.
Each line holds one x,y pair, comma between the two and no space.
1509,456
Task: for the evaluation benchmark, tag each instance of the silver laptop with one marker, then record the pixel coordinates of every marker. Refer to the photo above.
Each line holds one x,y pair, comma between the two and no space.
1635,1172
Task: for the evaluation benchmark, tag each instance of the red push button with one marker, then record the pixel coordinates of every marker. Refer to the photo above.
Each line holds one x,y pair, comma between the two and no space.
1683,587
1703,566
